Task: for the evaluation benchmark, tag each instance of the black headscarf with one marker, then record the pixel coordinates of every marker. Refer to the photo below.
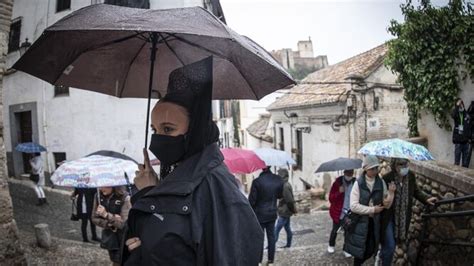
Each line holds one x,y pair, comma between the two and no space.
191,87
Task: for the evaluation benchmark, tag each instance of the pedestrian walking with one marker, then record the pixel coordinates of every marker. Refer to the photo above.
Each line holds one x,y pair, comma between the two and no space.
396,220
111,214
339,198
196,215
37,176
461,134
369,197
286,209
84,200
266,189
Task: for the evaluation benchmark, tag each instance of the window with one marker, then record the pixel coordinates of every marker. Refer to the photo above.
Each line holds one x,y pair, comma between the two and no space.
281,143
299,149
128,3
62,5
61,90
14,37
59,157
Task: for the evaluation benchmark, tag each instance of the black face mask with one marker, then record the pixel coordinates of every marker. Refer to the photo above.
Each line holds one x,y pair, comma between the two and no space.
168,149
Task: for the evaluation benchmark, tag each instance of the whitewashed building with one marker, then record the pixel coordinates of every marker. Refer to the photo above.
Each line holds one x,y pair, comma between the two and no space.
69,122
334,111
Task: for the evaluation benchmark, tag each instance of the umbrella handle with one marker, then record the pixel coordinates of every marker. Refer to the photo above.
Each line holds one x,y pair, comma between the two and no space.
154,42
98,196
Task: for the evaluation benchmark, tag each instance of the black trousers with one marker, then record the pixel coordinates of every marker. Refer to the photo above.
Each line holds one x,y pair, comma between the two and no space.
333,235
369,244
269,228
84,228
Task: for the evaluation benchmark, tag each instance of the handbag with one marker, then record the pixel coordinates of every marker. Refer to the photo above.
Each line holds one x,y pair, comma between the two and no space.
349,221
110,239
74,216
34,178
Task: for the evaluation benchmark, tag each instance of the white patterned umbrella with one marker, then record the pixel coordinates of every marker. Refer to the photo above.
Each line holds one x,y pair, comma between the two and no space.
273,157
94,171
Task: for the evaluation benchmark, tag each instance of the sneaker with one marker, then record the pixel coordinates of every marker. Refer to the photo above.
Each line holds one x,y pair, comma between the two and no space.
330,249
347,255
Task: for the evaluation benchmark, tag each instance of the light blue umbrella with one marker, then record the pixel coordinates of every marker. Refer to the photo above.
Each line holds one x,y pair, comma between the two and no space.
397,148
30,147
273,157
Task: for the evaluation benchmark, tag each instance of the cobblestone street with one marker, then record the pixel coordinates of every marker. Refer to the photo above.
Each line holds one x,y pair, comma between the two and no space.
311,231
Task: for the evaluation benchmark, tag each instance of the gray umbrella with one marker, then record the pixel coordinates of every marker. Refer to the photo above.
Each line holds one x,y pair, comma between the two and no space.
110,49
340,164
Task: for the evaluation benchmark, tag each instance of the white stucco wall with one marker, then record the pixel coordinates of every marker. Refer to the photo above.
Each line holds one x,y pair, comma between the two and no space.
324,143
82,122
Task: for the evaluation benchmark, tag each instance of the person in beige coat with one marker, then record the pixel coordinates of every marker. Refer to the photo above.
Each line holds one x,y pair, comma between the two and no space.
111,214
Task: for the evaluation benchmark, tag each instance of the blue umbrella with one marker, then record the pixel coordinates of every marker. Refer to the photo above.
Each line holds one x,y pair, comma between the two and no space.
30,147
397,148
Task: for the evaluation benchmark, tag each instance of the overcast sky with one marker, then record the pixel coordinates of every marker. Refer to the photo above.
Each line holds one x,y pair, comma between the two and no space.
338,28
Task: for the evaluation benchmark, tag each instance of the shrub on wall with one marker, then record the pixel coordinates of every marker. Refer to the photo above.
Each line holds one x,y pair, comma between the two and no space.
433,50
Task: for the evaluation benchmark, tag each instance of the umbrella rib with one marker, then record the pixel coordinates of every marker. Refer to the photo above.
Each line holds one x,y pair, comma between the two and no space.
221,56
97,47
128,69
171,49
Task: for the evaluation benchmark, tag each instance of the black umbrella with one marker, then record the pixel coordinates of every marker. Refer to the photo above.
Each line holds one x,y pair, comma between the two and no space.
113,154
109,49
340,164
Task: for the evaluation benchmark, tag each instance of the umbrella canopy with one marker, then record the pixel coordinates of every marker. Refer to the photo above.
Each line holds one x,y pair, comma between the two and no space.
240,161
94,171
113,154
107,49
273,157
30,147
340,164
397,148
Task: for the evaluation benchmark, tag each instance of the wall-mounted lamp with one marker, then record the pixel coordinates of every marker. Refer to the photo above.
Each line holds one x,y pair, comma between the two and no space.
293,118
24,46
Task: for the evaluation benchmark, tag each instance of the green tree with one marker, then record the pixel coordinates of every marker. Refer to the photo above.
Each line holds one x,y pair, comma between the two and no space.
432,47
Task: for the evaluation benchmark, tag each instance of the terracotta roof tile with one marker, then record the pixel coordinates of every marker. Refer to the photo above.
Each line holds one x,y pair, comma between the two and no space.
314,94
258,128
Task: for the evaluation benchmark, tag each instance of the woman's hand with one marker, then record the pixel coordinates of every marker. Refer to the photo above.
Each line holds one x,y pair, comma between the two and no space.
145,176
101,211
378,208
133,243
431,201
392,187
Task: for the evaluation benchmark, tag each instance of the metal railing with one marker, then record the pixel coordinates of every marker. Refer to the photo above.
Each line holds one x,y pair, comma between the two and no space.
429,213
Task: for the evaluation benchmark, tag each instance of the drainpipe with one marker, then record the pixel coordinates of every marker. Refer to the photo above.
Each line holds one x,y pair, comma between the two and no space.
45,126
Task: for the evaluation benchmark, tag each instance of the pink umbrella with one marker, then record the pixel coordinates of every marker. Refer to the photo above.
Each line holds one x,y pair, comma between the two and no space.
240,161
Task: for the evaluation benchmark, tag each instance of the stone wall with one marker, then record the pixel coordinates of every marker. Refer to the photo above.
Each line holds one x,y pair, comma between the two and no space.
444,181
11,252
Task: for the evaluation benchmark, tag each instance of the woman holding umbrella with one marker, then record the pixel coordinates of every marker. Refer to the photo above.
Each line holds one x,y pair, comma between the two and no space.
111,214
369,197
396,220
37,176
196,215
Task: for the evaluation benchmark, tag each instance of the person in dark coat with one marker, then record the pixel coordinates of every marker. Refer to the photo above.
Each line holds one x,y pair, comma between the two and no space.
195,214
286,209
396,220
111,214
369,196
461,134
84,198
266,189
339,199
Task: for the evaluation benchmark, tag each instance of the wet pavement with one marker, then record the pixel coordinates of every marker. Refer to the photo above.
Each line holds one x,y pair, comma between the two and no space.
311,231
